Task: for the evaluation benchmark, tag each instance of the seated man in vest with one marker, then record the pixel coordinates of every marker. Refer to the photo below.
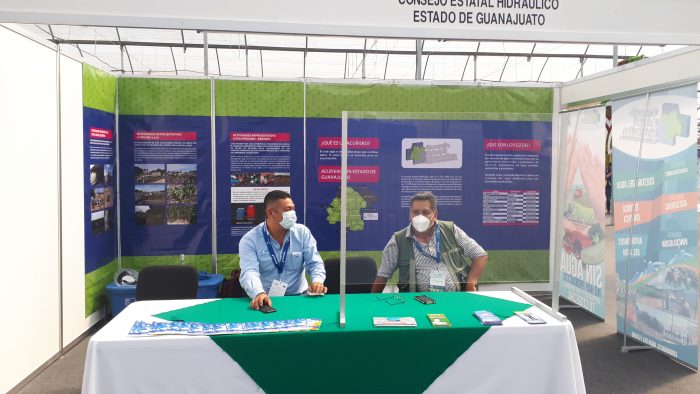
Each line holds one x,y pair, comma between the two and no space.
276,254
430,254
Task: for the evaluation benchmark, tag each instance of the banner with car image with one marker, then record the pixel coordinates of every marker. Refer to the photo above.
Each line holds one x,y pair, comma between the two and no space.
655,194
582,275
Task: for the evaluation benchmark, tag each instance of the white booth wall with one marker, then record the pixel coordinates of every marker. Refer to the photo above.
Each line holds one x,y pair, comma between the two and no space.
31,335
75,323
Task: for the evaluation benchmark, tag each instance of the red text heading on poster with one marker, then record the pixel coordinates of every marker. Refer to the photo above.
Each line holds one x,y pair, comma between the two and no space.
353,143
356,174
101,133
165,136
515,145
258,136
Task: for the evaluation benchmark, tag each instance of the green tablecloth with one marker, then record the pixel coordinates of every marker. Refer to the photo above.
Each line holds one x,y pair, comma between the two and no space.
355,359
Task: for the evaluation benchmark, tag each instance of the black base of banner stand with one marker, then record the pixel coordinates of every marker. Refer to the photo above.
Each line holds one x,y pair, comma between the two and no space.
573,306
627,349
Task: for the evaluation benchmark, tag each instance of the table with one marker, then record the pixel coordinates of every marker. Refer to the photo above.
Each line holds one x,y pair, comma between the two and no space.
515,357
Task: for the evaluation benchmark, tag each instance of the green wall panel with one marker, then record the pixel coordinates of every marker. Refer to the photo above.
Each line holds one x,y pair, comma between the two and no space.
258,98
329,100
202,262
99,89
95,283
161,96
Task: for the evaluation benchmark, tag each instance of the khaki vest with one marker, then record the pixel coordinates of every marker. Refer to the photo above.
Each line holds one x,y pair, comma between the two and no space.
452,255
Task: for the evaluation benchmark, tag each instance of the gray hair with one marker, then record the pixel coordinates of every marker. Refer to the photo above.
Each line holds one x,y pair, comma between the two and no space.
426,196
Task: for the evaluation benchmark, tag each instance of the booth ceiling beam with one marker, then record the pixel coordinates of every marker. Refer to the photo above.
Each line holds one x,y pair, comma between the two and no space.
363,51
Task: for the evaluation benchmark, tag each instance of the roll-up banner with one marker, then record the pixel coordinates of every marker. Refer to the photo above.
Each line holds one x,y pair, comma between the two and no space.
583,214
655,194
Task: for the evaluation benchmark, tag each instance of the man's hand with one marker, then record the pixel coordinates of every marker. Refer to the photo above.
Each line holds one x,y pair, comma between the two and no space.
471,286
259,300
318,287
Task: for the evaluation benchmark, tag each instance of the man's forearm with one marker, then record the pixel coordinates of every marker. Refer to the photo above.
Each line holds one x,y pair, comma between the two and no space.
475,271
378,285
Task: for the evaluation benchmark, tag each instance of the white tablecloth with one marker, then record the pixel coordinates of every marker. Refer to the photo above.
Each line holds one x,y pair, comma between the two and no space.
513,358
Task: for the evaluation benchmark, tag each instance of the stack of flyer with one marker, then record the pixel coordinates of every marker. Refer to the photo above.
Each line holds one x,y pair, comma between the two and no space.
142,328
394,321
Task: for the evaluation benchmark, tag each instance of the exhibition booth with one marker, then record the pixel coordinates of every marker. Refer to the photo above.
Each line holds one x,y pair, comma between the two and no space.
148,170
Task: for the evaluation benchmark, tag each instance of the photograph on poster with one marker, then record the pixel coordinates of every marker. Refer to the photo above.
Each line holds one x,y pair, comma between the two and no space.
149,173
98,222
108,174
182,194
109,219
109,197
150,214
98,199
662,300
260,179
149,194
182,214
96,174
247,213
181,174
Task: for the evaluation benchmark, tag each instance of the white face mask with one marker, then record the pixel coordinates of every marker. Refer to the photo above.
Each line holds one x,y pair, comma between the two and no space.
420,223
288,219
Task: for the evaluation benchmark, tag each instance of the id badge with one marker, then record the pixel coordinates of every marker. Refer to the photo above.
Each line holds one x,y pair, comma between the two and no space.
437,281
278,288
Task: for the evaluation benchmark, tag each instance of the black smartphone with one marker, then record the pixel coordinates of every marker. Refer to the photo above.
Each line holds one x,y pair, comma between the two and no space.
423,299
267,309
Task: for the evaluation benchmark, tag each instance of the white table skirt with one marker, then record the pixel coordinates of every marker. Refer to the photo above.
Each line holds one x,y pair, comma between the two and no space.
513,358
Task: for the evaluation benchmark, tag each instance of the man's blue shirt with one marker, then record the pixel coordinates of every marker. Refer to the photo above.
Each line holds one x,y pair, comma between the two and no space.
258,271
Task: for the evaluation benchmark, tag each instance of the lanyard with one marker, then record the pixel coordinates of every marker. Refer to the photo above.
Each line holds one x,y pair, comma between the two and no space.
438,254
283,257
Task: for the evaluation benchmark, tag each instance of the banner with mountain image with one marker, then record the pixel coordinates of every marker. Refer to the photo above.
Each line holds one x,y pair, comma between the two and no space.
583,222
655,194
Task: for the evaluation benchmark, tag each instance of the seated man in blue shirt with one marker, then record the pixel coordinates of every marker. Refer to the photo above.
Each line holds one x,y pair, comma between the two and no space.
275,254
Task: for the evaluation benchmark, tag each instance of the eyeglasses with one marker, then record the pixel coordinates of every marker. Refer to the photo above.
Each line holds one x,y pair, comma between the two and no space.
393,299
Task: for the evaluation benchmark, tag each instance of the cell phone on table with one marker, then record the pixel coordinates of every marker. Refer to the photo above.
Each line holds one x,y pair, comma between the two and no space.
424,299
264,308
530,318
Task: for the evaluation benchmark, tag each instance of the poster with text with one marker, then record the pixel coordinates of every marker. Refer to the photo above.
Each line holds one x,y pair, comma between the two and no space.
655,197
490,177
582,254
166,178
100,188
254,157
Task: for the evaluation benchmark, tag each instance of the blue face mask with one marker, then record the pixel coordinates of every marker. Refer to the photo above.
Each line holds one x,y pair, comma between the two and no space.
289,218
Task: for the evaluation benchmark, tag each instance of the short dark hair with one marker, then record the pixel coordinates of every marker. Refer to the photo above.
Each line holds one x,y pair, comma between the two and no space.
425,196
275,195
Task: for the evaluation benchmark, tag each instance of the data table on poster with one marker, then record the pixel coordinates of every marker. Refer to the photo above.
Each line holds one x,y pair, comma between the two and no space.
511,207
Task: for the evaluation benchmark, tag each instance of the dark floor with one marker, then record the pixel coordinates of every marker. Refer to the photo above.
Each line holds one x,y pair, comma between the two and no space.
605,368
